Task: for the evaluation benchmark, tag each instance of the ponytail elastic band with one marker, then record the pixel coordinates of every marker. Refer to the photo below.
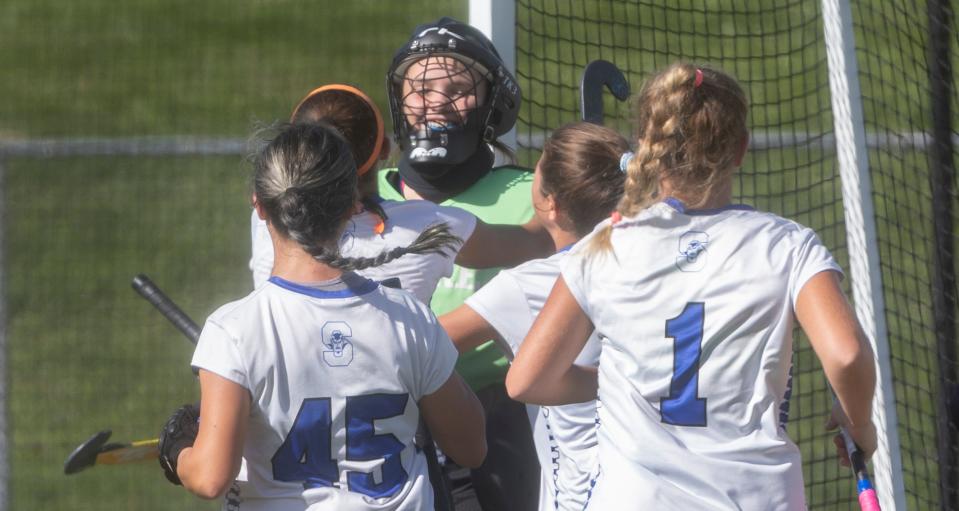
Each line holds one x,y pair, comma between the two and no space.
624,161
699,78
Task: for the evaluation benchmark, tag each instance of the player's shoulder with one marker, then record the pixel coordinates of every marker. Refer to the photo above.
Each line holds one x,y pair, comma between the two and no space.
772,225
545,266
738,216
397,301
401,307
418,208
232,316
761,217
416,215
404,210
533,278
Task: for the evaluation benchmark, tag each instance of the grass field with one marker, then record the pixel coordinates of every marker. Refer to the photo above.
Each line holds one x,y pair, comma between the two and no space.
85,353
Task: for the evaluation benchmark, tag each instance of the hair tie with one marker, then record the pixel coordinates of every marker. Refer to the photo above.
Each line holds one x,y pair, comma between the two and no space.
624,161
615,217
699,78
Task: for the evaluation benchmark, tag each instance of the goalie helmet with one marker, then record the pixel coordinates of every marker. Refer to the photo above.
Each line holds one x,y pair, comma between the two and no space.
427,137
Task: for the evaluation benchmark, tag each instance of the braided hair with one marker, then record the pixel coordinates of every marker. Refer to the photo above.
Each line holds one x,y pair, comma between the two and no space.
691,126
305,182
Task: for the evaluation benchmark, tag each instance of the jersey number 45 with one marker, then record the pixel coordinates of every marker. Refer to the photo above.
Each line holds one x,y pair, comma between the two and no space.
306,456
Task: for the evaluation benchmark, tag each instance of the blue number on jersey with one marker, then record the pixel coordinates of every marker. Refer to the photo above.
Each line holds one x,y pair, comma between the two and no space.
305,453
684,407
362,443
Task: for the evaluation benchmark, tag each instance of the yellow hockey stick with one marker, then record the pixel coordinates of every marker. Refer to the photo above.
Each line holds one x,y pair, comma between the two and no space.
96,451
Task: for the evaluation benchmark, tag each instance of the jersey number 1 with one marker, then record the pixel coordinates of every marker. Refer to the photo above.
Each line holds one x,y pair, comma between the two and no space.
306,453
683,406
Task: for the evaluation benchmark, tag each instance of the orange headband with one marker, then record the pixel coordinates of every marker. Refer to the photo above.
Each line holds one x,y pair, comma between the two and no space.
378,146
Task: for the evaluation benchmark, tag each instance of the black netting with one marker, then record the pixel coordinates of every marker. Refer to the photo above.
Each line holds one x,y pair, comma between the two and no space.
83,352
905,70
777,51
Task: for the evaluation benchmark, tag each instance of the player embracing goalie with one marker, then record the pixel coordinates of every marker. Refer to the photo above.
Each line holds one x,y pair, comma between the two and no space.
319,377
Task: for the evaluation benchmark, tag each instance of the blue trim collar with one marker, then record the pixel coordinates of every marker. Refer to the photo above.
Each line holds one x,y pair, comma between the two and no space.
355,287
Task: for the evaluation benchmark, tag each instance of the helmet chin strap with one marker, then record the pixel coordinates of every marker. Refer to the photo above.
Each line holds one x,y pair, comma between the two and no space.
437,182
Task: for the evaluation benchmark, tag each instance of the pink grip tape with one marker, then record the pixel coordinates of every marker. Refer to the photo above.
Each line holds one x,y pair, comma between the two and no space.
868,500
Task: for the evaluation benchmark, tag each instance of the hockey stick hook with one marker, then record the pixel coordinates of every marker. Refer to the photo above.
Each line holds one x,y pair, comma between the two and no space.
596,75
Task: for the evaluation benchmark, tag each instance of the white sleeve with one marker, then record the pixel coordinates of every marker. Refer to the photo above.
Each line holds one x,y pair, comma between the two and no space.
437,357
217,352
503,304
261,262
576,268
462,224
810,257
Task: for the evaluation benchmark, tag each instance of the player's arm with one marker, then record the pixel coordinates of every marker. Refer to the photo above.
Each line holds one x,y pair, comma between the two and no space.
543,371
468,329
845,354
455,419
209,467
493,246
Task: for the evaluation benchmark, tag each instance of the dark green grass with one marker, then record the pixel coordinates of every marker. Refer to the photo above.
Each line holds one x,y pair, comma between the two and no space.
86,353
181,67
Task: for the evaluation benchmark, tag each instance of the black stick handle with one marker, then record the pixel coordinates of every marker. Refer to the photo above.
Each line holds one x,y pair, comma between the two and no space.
148,290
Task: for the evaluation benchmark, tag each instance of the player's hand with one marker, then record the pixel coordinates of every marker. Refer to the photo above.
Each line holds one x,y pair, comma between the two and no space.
864,435
178,433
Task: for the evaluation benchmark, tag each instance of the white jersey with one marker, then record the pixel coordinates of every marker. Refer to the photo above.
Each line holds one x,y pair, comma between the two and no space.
696,311
565,436
335,373
417,273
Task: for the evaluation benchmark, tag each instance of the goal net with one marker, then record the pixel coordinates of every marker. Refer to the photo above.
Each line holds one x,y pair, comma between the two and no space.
778,51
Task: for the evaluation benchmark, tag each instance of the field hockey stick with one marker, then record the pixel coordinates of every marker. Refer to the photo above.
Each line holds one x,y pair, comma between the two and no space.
597,75
867,495
96,451
149,291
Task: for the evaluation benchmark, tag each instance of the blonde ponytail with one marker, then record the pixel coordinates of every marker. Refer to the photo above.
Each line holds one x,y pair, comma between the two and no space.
691,124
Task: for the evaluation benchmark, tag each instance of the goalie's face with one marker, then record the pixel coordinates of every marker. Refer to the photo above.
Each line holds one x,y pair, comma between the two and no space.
439,92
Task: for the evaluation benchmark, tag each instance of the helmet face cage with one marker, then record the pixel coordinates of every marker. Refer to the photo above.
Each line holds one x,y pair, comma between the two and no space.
440,93
448,90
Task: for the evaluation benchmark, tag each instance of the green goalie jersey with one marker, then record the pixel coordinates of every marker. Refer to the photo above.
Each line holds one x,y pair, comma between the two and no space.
500,197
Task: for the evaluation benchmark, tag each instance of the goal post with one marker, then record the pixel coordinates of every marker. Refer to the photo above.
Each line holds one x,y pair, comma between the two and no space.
853,135
866,276
497,19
